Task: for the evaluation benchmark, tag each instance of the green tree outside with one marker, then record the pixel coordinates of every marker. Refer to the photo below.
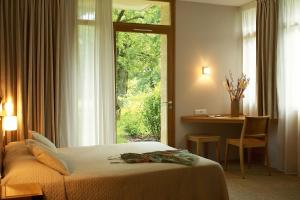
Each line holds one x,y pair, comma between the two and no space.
138,78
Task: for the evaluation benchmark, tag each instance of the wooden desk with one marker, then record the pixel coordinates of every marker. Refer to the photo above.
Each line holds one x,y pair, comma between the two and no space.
224,119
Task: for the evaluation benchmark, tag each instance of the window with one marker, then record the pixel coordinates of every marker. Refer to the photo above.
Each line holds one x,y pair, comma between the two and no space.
249,59
288,54
142,12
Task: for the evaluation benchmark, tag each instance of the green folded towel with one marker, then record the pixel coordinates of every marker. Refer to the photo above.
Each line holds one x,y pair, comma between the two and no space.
170,156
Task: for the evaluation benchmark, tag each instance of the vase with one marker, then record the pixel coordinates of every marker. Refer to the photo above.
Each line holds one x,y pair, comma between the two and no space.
235,108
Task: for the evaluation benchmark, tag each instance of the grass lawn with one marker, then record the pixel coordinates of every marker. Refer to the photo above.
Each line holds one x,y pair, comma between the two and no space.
121,136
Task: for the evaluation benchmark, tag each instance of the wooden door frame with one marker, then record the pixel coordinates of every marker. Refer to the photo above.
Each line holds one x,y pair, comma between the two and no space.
168,30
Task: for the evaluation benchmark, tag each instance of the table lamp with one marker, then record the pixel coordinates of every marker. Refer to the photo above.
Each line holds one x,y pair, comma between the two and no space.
10,123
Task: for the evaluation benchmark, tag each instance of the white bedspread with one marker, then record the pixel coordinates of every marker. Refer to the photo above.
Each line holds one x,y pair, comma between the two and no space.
95,177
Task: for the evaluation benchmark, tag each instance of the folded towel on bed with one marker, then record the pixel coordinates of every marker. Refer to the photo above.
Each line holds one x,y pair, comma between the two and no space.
170,156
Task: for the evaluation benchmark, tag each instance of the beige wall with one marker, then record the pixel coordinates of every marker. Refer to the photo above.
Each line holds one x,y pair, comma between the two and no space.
205,35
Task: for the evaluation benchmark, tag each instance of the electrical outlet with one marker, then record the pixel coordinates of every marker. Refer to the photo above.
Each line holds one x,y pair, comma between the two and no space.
201,111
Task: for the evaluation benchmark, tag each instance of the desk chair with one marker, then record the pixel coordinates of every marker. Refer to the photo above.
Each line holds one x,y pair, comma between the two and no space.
254,135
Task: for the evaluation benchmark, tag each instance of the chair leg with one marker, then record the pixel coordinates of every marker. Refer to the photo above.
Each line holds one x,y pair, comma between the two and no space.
242,161
226,156
198,148
218,151
249,157
267,159
205,145
189,145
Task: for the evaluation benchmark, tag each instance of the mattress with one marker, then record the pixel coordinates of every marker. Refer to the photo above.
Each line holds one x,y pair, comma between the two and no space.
95,176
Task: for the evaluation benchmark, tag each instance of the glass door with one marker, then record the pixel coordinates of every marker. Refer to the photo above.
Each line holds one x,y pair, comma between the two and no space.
141,87
144,65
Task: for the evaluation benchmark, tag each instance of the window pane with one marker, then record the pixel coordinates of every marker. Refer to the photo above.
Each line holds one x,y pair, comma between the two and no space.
86,9
249,22
141,11
249,59
141,87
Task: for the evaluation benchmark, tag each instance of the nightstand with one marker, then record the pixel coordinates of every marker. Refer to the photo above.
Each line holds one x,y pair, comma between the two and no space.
29,191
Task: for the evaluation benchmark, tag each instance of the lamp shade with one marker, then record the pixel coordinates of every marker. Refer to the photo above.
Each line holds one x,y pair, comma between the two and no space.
9,108
10,123
1,110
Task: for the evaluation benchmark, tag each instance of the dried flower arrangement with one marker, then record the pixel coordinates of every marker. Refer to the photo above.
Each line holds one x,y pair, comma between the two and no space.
236,91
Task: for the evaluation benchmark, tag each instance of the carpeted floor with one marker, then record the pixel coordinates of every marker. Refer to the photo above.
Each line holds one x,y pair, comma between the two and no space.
259,186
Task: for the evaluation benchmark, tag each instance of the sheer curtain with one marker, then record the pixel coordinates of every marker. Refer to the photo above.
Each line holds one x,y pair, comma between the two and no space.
288,84
249,59
87,106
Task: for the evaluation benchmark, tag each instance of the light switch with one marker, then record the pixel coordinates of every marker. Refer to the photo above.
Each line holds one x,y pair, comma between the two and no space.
201,111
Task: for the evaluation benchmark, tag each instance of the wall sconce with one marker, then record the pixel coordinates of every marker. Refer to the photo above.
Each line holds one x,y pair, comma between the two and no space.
205,71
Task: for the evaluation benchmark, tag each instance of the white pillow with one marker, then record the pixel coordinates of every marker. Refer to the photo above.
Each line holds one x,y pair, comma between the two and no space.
49,158
43,139
35,142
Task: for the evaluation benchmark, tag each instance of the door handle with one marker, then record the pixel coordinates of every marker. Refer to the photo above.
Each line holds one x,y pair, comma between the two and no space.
169,103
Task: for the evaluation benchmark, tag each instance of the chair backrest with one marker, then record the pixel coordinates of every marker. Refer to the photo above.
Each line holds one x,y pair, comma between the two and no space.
256,126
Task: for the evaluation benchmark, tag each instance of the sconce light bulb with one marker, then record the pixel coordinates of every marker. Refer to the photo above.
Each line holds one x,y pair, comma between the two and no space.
206,71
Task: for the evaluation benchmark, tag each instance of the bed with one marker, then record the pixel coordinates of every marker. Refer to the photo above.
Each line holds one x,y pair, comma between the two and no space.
94,176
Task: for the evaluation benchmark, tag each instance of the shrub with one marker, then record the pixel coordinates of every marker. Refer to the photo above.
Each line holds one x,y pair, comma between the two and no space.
132,123
151,113
131,119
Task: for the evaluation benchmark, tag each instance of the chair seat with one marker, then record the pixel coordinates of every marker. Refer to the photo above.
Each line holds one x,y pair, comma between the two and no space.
247,143
204,138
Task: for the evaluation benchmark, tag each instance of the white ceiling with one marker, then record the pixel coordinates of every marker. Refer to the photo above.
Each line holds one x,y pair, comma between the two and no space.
223,2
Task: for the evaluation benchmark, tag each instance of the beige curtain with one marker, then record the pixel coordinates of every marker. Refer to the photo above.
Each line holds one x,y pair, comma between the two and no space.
266,45
7,61
30,43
